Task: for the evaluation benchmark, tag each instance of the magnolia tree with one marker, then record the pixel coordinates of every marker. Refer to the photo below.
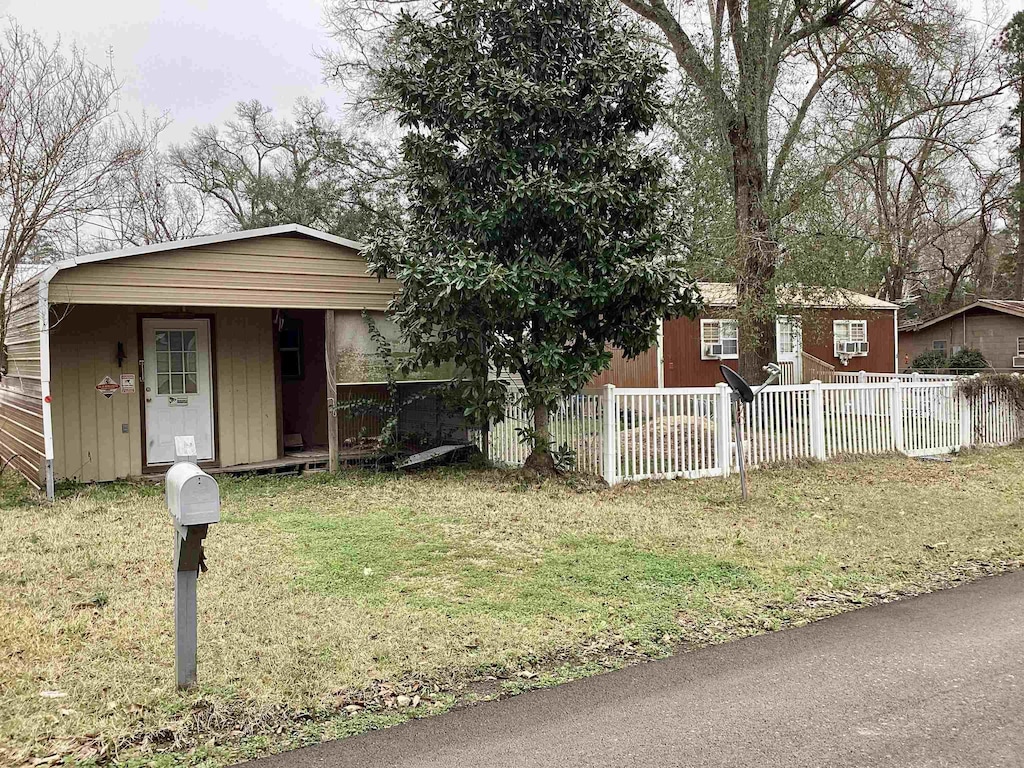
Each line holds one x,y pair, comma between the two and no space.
535,235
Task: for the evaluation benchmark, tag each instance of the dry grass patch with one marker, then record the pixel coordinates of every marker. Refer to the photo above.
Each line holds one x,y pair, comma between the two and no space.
337,604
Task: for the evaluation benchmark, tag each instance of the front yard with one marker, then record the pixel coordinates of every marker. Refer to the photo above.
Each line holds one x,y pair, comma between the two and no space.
337,604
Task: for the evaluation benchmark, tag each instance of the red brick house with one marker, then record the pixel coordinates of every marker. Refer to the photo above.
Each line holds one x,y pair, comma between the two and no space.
816,337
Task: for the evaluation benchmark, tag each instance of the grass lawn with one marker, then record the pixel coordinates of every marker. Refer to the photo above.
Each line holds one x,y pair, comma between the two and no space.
337,604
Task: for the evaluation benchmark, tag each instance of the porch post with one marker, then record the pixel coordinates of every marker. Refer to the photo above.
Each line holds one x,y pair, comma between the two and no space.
331,358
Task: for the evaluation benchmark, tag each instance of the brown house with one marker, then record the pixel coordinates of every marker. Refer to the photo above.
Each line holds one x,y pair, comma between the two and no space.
994,327
817,337
236,339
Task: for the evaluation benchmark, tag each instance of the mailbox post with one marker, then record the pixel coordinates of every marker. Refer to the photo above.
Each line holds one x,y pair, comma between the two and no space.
193,500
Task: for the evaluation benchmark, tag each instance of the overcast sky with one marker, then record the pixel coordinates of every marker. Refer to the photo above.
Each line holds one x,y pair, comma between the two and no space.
194,59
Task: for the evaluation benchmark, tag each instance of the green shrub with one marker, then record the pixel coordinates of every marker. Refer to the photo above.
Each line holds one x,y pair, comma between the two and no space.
932,361
967,360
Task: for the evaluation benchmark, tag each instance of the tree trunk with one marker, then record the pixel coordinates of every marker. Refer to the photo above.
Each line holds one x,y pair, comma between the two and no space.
757,253
540,459
1018,277
6,289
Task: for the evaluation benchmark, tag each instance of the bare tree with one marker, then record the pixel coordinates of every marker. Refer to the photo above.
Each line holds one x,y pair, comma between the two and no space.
930,184
147,201
59,147
259,170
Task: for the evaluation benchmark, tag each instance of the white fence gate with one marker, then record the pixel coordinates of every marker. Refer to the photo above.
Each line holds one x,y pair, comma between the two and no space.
636,434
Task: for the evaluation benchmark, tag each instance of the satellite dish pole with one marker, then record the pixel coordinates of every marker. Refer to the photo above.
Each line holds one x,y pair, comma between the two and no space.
743,395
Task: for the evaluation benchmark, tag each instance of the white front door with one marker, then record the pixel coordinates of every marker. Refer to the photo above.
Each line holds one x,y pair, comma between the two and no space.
788,348
178,386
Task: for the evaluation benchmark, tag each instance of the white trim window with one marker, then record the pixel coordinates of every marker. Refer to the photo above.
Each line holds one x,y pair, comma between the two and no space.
850,338
719,340
1020,346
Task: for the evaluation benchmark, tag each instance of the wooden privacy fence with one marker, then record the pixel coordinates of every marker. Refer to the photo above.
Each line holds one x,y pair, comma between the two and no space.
627,434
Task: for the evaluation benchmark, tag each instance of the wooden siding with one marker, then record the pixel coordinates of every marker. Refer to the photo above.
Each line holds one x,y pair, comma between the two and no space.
881,357
685,368
641,371
246,396
88,441
99,439
271,271
21,399
683,364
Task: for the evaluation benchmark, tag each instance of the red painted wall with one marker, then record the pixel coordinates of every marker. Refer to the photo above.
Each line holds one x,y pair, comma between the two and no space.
881,357
684,367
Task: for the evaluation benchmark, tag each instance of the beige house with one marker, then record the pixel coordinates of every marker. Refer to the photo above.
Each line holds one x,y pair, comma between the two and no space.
993,326
235,339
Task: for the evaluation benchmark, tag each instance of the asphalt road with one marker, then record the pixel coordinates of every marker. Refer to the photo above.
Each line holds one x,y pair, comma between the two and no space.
931,681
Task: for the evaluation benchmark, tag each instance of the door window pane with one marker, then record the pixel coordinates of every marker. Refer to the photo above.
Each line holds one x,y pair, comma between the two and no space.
177,369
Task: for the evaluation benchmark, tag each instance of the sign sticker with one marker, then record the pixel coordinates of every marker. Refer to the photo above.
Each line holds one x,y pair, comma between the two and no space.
127,383
107,387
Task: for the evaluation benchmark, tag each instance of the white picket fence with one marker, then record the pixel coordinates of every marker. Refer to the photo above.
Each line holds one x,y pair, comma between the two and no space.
866,377
688,432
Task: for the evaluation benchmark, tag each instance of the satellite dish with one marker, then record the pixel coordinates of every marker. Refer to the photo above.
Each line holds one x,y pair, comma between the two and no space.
737,384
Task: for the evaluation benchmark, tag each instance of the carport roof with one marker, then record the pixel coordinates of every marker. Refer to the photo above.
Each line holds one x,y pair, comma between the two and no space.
192,242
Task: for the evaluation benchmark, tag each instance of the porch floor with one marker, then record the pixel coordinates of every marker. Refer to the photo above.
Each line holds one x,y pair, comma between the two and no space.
308,460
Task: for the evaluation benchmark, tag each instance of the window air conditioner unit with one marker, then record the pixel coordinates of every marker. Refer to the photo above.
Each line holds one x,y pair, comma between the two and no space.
715,350
1018,362
852,348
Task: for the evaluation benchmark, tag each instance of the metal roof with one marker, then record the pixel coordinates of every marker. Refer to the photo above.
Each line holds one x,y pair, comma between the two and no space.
193,242
724,295
1015,308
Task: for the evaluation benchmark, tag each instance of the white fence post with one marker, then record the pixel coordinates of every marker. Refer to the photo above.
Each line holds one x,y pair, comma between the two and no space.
610,452
817,421
723,427
896,416
966,421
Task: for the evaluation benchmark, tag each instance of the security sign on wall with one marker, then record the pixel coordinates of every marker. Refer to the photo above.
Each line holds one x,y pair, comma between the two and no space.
127,383
108,387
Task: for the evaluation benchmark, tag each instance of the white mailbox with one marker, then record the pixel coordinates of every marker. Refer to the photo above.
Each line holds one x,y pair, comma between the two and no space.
192,495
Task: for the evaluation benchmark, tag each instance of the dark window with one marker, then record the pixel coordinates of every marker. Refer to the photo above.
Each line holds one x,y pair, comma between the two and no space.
939,346
290,345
